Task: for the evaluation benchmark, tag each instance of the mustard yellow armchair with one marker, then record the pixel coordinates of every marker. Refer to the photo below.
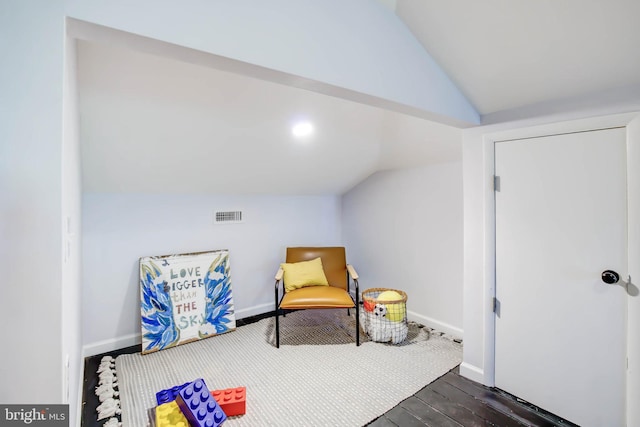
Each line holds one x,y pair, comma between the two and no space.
336,295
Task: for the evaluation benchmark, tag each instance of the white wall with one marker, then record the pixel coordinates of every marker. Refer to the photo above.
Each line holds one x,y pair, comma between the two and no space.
403,230
71,232
118,229
478,271
31,84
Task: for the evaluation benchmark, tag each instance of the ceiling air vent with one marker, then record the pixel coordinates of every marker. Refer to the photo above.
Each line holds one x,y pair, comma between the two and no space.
227,217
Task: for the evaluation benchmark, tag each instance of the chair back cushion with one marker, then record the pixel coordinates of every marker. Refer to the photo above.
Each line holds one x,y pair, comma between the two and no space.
334,262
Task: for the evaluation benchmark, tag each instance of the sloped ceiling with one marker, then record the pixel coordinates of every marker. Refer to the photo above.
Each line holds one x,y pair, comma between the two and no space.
157,125
506,54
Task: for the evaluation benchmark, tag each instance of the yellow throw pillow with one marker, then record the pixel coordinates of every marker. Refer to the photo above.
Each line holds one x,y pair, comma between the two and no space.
303,273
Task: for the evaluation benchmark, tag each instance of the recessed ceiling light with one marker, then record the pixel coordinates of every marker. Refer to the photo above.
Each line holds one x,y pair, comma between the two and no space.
302,129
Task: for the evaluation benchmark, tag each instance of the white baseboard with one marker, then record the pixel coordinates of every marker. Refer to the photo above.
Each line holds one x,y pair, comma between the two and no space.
136,339
255,310
472,372
111,344
435,324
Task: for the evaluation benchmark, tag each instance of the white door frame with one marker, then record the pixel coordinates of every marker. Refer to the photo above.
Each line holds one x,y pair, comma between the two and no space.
484,372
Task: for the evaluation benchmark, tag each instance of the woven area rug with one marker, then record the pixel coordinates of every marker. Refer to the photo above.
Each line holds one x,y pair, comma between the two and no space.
318,376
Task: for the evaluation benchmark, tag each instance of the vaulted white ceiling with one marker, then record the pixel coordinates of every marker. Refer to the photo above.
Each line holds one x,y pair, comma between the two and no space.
155,124
506,54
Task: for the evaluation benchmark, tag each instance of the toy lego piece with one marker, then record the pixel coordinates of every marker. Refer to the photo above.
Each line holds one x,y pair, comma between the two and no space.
169,414
232,400
198,406
169,395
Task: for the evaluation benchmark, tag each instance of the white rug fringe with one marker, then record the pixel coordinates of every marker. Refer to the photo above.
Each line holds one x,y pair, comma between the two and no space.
107,392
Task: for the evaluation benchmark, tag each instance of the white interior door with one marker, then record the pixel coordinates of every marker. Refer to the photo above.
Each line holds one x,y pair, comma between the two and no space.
560,222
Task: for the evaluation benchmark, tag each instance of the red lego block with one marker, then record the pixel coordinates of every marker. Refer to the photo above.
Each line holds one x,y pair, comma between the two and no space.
198,406
233,401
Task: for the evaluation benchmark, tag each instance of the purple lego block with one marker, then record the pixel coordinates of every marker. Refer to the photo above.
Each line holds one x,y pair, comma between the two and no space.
169,395
198,406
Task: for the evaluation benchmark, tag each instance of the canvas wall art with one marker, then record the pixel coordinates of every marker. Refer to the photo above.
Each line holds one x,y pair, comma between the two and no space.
185,298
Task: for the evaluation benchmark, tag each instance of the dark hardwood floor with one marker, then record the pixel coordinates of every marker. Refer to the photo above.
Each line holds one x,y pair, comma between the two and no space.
450,401
454,401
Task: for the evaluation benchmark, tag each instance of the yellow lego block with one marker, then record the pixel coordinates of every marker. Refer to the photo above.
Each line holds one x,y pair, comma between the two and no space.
169,414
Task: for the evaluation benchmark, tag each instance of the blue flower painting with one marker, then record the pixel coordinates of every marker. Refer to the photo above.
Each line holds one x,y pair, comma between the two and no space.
185,298
158,326
219,314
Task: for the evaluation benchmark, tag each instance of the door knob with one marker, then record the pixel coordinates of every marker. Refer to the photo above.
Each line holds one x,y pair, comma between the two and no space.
610,277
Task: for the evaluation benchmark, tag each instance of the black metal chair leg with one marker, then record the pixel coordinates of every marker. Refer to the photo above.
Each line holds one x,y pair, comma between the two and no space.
357,320
277,319
277,329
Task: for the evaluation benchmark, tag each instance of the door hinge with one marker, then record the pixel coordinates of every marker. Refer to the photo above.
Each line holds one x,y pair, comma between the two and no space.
496,306
496,183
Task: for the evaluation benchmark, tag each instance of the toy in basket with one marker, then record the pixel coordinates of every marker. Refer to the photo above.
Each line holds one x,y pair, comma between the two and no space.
384,315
